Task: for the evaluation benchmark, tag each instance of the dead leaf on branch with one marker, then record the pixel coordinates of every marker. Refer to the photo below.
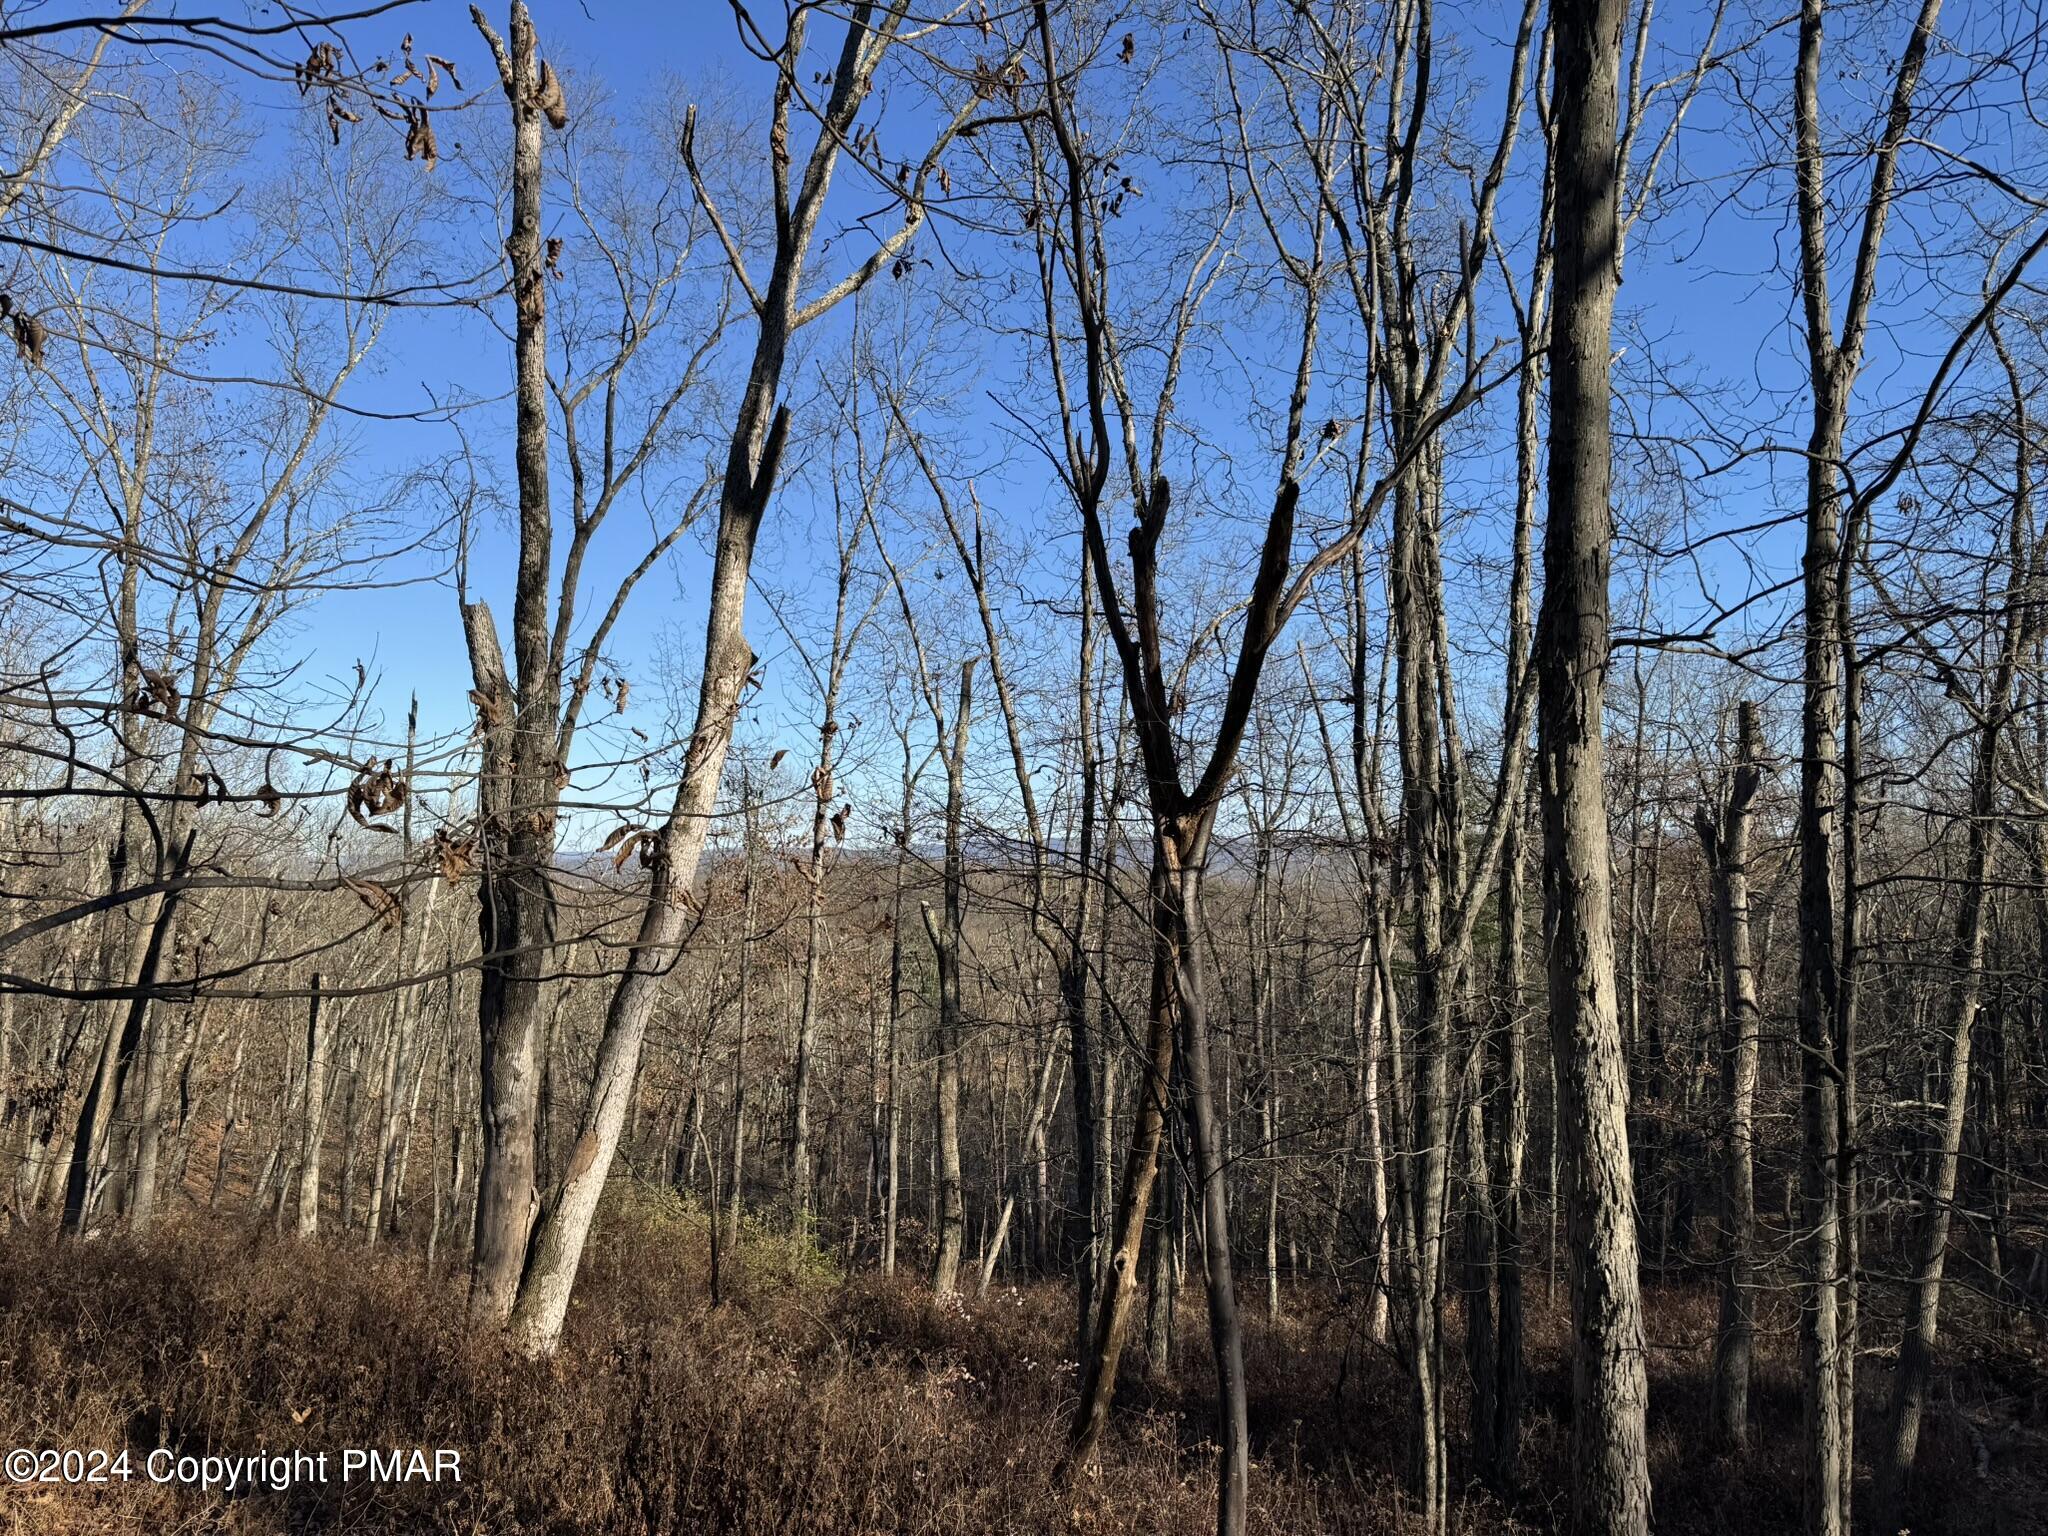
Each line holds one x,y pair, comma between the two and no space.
29,332
549,98
376,791
382,901
419,136
337,114
321,66
209,787
647,845
411,70
149,691
457,856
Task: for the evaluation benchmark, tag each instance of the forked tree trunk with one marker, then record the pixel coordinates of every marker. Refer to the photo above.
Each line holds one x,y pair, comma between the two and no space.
752,463
1833,365
124,1034
516,794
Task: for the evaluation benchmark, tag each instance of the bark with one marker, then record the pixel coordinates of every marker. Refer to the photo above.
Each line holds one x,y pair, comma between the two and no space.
892,1203
822,791
1610,1469
1725,836
1508,1100
1189,854
1507,1088
1366,1010
1848,1132
517,789
736,1167
752,464
1072,968
2020,637
944,932
1141,1170
1423,1175
89,1143
163,1063
315,1116
1833,362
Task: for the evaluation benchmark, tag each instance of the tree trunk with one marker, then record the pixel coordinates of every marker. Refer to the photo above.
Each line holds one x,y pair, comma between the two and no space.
1509,1103
1726,841
1188,850
89,1145
1141,1170
892,1202
945,937
517,790
2020,637
314,1117
1833,364
1610,1466
822,786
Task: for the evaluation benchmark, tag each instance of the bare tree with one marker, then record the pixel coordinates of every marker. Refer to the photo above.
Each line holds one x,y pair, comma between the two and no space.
1724,830
1610,1392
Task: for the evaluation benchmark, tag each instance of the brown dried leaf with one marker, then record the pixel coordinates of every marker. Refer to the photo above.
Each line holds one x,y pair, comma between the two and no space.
419,137
457,855
376,791
379,899
549,98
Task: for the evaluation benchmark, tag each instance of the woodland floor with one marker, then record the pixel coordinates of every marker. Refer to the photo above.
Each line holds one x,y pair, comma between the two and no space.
812,1402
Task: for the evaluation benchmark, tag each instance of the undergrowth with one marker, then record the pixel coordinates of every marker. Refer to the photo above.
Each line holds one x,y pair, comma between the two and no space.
809,1400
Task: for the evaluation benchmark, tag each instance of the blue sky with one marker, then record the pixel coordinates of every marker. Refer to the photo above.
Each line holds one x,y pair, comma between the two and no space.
1707,310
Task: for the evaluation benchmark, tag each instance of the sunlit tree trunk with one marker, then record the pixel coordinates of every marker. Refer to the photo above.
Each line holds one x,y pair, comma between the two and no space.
1724,832
1610,1453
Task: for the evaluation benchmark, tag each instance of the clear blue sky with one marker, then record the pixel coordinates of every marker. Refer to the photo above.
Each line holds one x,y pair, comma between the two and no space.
1707,308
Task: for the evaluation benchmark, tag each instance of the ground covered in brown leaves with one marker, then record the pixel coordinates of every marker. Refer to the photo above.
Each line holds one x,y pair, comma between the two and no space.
806,1402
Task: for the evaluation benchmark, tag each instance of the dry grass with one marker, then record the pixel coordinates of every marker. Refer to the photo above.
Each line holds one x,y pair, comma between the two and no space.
808,1402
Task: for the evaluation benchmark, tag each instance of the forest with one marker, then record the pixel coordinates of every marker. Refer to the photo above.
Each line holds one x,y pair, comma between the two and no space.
1024,765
